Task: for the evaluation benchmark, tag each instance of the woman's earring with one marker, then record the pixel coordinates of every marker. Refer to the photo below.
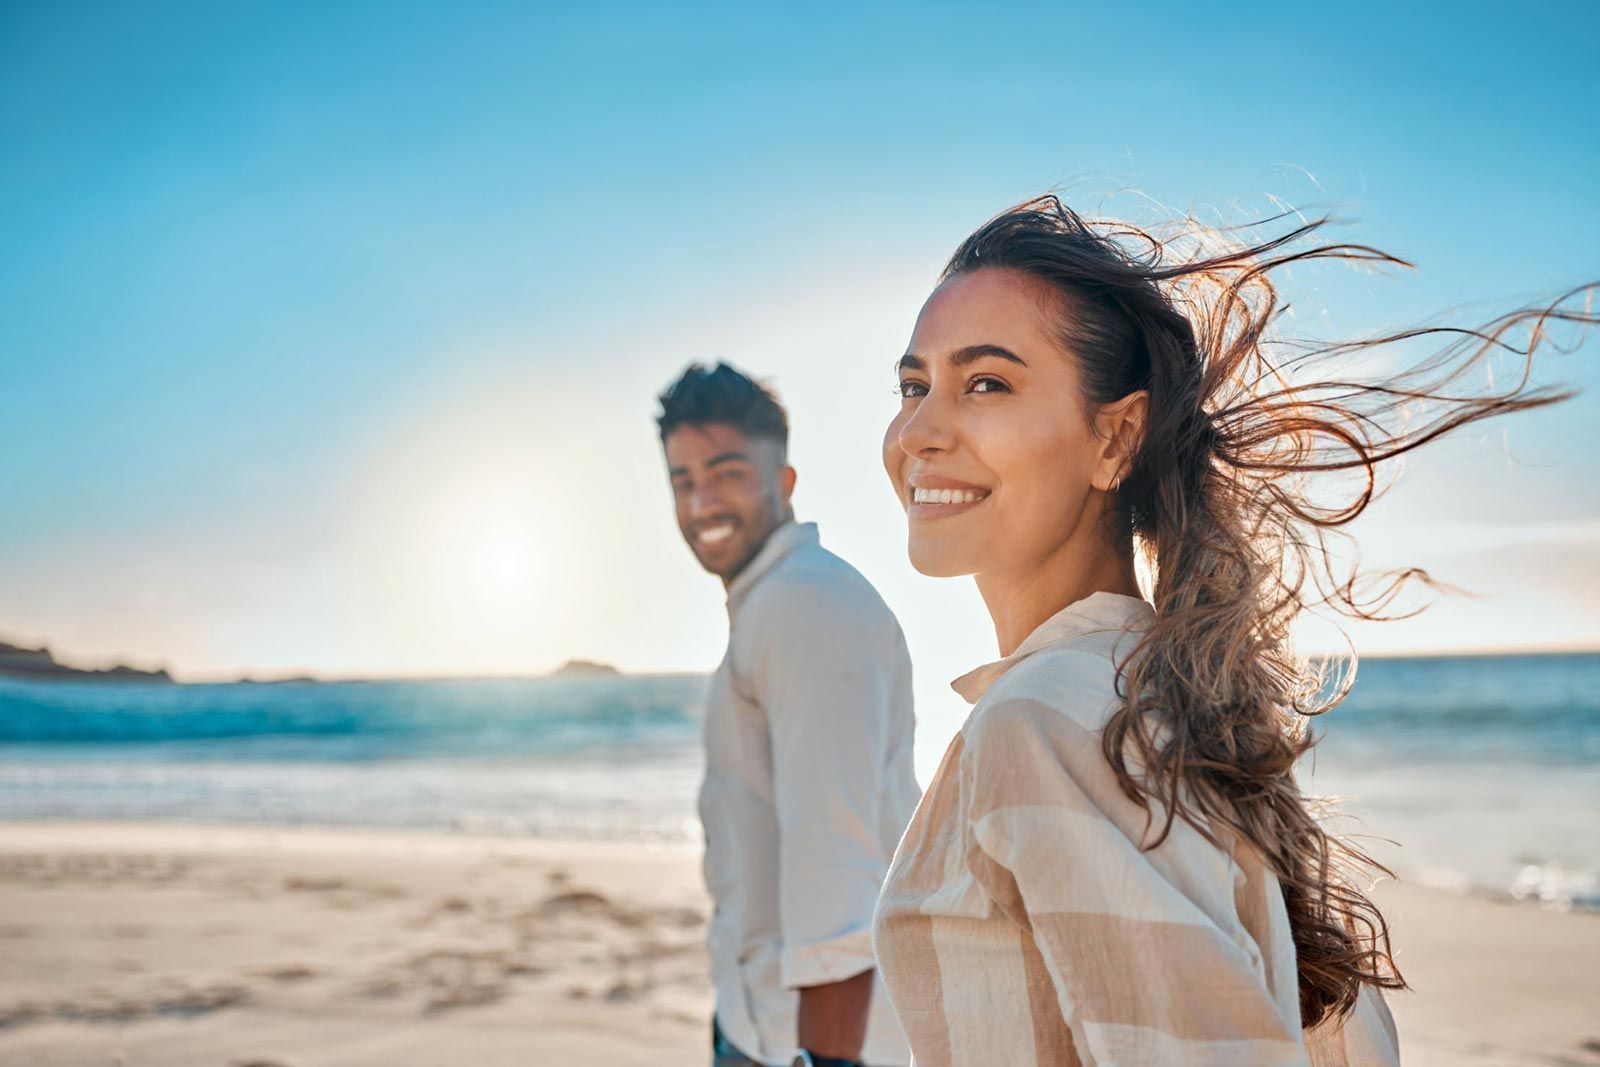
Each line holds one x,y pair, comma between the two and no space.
1116,483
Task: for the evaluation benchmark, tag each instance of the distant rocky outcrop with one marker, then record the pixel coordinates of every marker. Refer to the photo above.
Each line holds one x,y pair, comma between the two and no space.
584,668
38,664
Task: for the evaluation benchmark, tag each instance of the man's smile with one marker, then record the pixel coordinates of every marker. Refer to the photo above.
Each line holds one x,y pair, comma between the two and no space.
714,534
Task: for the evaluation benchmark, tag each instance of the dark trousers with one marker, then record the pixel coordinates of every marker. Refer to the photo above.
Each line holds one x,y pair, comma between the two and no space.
723,1052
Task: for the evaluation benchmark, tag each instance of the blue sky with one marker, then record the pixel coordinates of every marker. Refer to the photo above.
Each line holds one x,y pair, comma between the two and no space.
329,334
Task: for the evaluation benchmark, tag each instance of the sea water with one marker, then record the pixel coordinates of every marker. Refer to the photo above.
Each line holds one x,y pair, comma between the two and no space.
1471,772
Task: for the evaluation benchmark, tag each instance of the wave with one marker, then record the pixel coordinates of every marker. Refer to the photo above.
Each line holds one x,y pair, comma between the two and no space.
1526,709
386,718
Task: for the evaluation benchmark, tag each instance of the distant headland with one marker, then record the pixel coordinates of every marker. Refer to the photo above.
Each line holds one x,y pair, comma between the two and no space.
39,664
584,668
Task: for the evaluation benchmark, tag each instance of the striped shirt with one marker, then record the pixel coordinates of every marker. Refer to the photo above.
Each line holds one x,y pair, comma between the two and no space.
1022,923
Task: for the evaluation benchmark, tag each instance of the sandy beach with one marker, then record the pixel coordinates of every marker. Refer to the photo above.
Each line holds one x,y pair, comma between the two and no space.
162,945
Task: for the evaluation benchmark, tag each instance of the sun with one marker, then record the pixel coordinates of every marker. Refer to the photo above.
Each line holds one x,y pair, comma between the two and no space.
501,565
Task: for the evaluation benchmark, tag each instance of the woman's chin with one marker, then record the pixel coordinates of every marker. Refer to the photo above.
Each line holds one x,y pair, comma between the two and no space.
940,563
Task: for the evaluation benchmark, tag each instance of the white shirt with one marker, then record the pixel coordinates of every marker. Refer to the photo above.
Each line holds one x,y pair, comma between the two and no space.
809,785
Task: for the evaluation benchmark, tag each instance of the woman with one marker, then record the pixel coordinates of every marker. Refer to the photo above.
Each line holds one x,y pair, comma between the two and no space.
1113,863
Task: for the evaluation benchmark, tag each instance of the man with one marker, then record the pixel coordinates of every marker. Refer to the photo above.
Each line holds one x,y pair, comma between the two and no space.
809,780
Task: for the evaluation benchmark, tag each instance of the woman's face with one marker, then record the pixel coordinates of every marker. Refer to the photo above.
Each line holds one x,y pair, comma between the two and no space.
994,453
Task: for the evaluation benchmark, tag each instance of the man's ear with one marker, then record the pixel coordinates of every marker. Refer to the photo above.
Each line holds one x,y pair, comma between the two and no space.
1120,428
786,480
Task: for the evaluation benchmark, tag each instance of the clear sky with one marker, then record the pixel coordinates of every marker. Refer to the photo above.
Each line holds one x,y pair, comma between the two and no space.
330,333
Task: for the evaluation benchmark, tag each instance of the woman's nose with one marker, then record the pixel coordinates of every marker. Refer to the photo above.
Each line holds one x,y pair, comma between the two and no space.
929,428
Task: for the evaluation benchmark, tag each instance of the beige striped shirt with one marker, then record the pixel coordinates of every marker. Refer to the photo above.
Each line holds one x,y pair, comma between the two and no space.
1021,922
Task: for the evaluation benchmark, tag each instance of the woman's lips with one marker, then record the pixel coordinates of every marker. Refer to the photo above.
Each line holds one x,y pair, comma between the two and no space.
935,501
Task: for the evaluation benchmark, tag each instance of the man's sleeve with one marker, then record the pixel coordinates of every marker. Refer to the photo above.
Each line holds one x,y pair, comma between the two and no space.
826,681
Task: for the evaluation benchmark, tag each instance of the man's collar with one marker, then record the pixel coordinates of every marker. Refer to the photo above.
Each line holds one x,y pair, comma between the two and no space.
782,541
1095,613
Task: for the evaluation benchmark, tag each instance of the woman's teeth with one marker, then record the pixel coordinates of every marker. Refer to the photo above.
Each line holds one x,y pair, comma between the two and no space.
713,534
947,496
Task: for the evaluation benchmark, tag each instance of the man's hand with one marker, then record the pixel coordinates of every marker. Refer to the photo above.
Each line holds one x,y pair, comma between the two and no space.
833,1017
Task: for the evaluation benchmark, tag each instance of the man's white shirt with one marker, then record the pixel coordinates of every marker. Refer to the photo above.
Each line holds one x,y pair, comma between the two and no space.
809,785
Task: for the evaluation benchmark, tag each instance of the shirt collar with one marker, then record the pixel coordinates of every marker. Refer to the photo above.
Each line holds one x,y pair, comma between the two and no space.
780,543
1096,613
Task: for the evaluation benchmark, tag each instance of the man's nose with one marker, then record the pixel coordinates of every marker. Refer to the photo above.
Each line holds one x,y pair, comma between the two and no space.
703,502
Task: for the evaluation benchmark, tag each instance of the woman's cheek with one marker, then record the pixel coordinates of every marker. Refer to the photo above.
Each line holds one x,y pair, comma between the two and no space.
892,453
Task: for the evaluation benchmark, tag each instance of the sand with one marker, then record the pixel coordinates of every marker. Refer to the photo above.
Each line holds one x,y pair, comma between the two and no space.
164,946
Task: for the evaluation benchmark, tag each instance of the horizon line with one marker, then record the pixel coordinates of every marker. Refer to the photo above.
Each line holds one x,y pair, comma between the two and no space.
295,674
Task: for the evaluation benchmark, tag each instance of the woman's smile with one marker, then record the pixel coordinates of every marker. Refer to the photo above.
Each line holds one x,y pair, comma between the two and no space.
930,497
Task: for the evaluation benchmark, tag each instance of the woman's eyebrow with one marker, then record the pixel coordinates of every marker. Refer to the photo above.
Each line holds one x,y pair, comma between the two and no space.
963,356
972,353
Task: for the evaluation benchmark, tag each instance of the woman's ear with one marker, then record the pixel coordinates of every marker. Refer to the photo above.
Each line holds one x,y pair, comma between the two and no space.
1120,428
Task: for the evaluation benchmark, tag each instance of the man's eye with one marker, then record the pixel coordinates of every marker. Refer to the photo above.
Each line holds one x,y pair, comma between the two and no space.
909,388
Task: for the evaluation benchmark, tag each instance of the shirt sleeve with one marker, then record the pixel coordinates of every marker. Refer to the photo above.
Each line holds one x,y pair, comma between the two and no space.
1141,974
1366,1038
826,680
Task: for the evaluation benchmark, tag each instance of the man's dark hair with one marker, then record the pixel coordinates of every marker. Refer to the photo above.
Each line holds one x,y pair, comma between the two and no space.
722,394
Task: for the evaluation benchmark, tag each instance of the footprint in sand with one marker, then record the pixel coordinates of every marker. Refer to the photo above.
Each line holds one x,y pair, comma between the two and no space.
296,883
453,978
167,997
625,992
284,972
580,900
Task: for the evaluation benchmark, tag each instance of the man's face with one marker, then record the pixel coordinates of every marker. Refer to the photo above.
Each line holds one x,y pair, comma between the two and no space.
731,492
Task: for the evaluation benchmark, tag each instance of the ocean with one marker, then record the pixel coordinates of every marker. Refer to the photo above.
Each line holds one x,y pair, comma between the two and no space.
1483,773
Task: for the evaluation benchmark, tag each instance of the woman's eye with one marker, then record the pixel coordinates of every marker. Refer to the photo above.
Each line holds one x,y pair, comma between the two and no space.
909,388
988,385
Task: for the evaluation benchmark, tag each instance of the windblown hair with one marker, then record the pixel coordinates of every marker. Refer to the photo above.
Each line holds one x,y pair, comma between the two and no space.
1224,500
722,394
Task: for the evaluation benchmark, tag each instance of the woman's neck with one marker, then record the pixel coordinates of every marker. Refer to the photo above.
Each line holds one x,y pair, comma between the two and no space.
1019,600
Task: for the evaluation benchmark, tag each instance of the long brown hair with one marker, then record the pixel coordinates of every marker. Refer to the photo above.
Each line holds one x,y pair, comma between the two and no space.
1220,500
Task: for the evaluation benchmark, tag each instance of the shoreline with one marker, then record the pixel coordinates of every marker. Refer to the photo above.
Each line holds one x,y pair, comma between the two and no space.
170,944
1440,880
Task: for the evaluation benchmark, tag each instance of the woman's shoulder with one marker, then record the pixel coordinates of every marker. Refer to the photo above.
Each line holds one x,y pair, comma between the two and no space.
1041,722
1035,739
1063,685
